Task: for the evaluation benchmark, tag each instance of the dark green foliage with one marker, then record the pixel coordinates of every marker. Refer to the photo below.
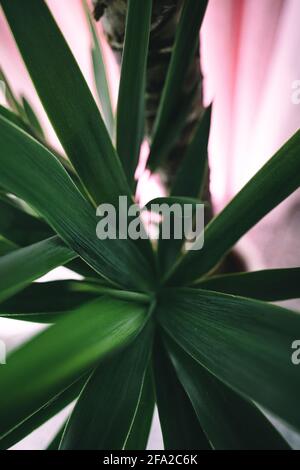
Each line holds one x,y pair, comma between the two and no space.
130,335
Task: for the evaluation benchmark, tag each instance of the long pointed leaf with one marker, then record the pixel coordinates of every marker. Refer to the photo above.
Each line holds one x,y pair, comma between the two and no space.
229,421
131,102
279,178
31,172
169,248
24,229
22,124
21,267
187,41
55,443
6,247
14,118
67,99
179,423
105,410
268,285
32,119
46,302
19,227
245,343
52,360
11,98
141,425
191,175
100,75
46,412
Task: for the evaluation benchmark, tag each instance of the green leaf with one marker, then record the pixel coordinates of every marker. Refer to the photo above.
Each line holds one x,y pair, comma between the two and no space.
24,229
104,413
269,187
190,178
31,172
186,43
14,118
32,119
55,443
40,416
170,200
11,99
66,99
169,247
6,247
47,302
175,127
40,369
141,425
131,101
19,227
228,420
20,267
268,285
245,343
80,267
179,423
20,122
120,294
102,85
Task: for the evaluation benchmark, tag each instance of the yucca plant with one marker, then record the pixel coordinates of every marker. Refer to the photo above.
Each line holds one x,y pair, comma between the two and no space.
147,324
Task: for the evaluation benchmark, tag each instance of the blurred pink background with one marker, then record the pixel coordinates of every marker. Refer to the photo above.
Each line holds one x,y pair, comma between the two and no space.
250,60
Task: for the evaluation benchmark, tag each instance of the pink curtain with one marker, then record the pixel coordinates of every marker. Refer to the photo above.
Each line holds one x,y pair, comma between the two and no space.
250,51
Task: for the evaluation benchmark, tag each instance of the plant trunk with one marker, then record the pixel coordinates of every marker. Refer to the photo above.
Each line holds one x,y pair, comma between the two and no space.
165,18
